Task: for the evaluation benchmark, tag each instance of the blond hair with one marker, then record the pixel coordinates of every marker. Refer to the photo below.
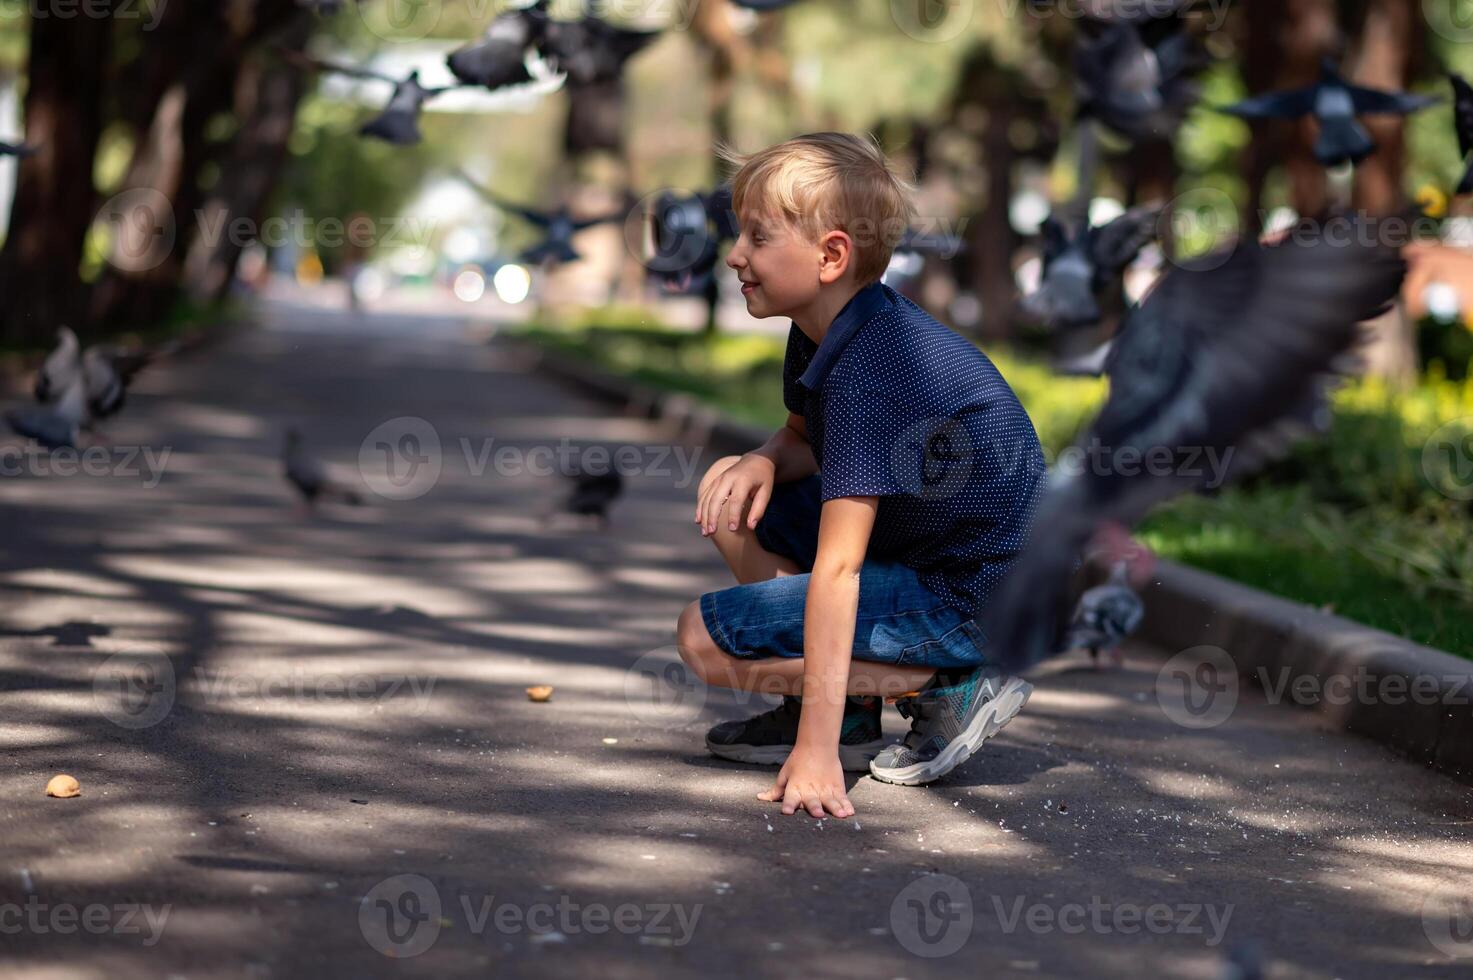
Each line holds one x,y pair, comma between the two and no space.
826,182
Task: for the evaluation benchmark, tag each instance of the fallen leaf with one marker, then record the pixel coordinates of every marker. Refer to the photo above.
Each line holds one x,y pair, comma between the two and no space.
63,787
542,692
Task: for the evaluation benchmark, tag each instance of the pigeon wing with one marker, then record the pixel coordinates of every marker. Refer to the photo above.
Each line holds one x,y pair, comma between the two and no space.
1374,102
1289,104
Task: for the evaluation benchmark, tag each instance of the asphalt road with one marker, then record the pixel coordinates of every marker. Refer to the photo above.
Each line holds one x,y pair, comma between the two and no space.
305,749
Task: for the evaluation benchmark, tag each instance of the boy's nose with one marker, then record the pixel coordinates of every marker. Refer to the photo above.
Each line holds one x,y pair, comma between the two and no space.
734,258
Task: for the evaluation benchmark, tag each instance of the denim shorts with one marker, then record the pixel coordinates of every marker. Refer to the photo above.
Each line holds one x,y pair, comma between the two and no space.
900,621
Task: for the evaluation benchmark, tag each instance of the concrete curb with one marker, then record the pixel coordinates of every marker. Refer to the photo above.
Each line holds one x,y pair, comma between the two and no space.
1411,698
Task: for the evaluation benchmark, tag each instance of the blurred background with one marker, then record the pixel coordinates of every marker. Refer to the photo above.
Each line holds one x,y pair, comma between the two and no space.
186,160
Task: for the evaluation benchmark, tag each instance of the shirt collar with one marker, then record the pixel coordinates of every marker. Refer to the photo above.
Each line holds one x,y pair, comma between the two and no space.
860,309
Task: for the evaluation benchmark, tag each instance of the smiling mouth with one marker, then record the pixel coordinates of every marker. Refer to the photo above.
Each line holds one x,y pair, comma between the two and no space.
748,287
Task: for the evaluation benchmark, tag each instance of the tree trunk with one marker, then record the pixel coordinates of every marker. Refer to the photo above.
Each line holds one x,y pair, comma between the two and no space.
200,49
1390,36
269,96
54,197
1308,31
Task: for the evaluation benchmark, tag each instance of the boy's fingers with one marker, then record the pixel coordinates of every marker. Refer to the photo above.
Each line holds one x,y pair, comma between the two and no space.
759,504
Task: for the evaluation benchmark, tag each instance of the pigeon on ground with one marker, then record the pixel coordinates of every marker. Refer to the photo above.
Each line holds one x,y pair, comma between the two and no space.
399,122
1335,103
56,424
500,58
1105,615
108,370
1135,68
1079,269
1463,118
594,493
1217,351
309,477
558,226
61,367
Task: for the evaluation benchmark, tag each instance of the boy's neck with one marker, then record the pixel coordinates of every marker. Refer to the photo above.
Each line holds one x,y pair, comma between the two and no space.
816,318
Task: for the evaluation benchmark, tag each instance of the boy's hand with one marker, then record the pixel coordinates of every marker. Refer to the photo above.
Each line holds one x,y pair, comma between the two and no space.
811,780
751,478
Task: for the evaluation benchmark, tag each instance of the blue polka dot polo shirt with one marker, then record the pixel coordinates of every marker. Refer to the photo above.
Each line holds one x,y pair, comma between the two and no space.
900,407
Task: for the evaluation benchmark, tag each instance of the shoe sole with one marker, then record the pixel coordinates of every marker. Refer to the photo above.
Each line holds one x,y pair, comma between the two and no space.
988,720
852,758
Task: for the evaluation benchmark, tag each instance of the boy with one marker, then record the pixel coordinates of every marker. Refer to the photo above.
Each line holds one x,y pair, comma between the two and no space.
868,531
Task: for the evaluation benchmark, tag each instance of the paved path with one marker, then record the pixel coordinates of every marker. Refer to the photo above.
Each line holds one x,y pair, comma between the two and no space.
347,707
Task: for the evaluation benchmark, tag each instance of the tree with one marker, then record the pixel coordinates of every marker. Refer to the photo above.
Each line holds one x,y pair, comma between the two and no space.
54,199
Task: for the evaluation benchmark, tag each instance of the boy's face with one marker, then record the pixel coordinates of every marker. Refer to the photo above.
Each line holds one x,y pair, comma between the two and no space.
778,266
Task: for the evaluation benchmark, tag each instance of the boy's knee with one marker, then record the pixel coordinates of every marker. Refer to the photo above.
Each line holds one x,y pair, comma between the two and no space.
694,641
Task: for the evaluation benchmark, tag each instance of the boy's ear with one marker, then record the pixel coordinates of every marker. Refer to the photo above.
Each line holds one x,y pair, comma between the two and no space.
837,253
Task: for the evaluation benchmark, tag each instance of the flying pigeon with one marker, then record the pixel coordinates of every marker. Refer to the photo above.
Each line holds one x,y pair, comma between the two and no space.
590,50
558,226
1463,117
399,122
1335,103
57,424
501,57
1134,69
309,477
687,231
1078,269
1090,364
764,5
61,367
1218,350
16,149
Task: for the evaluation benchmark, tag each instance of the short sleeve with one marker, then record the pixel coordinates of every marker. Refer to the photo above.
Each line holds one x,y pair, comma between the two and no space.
799,355
864,435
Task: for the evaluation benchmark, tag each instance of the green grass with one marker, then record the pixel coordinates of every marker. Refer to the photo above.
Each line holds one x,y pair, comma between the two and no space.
1351,525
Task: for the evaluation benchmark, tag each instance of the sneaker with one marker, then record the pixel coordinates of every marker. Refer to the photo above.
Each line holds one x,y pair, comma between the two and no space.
949,723
768,738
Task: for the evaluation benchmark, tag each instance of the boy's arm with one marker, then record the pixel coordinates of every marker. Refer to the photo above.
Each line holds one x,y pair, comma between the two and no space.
789,451
812,777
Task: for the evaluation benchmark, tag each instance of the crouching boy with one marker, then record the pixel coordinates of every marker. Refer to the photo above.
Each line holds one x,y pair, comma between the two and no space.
867,532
